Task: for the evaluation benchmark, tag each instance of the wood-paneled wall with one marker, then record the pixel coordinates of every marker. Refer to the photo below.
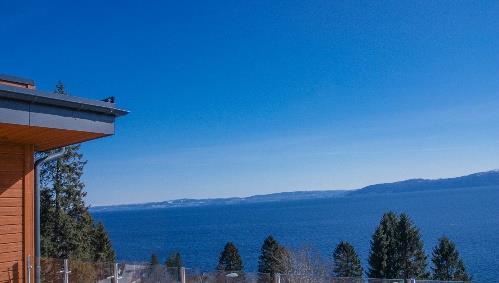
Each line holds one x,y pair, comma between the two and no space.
16,211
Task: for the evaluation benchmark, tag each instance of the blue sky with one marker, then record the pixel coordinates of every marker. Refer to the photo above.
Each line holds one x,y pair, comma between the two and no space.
235,98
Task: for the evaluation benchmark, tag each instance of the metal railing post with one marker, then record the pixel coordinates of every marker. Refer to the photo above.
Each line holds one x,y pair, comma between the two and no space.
182,275
29,267
115,273
65,272
277,278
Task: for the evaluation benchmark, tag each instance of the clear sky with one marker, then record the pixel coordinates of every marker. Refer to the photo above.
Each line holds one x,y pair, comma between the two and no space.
235,98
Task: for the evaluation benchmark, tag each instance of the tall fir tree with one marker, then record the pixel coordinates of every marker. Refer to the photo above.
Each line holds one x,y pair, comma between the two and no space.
66,224
273,259
154,260
383,255
346,262
103,249
229,259
411,261
397,249
67,228
174,260
155,270
173,264
447,264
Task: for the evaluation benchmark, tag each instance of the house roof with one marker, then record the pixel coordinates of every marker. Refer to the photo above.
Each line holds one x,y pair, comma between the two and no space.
66,101
49,120
14,79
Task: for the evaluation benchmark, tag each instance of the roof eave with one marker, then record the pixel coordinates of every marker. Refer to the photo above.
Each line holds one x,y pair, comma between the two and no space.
66,101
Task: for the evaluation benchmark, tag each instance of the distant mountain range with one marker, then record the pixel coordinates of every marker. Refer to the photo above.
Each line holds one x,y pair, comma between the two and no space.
482,179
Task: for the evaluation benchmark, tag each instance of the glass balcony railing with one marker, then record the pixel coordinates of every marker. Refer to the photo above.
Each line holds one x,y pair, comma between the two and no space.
72,271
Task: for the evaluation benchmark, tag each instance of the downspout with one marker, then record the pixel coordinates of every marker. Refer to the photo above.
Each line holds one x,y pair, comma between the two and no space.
38,165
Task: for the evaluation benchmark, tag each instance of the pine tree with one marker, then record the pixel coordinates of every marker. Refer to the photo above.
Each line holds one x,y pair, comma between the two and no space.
67,227
154,260
47,223
173,265
174,260
383,255
274,258
447,264
411,261
229,259
103,249
346,262
155,270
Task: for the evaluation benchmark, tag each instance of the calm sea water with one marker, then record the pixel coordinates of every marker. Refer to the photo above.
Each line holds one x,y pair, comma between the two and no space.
470,217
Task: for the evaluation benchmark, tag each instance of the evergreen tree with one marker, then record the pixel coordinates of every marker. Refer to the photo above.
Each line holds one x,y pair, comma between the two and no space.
397,249
66,223
411,261
383,255
154,260
346,262
173,264
67,229
103,249
274,258
155,270
174,260
447,264
47,223
229,259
